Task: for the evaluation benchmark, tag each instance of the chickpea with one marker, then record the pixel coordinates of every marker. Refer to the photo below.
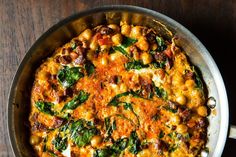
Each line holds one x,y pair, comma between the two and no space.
43,75
144,153
104,61
202,111
154,46
194,142
125,17
184,88
83,151
181,99
104,48
182,128
93,45
38,148
146,58
190,83
136,32
123,87
114,27
54,69
148,76
89,115
196,94
96,141
136,55
125,30
135,79
86,35
137,19
116,89
142,44
197,101
177,80
117,39
34,140
175,119
114,56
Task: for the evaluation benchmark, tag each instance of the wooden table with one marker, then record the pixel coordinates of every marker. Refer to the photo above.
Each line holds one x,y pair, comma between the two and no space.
23,21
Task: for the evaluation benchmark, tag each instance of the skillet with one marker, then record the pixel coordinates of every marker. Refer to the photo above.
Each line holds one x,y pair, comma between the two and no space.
62,32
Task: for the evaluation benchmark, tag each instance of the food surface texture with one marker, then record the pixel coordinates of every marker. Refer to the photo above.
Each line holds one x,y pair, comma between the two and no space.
118,91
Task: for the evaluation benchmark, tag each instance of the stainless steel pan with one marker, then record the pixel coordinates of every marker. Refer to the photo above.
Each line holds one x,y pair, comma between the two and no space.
19,97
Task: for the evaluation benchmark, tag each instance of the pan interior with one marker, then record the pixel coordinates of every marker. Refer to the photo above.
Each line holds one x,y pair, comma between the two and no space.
19,98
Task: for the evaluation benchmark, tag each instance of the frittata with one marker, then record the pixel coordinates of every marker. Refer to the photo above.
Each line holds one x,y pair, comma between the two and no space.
118,91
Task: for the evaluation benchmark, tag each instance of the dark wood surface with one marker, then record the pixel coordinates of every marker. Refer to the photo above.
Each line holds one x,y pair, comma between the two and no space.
23,21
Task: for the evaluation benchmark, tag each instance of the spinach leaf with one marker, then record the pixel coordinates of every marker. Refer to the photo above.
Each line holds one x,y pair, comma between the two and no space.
111,51
134,143
78,100
185,137
45,139
45,149
159,64
107,122
114,150
161,93
150,95
113,126
90,68
110,127
136,93
197,77
135,65
60,143
161,44
172,135
119,145
130,120
170,109
156,116
77,126
82,132
45,107
73,45
152,52
64,128
173,148
107,152
85,137
128,106
68,76
128,41
115,101
161,134
122,50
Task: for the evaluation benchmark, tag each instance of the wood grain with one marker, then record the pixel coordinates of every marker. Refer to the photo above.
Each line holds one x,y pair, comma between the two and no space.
23,21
